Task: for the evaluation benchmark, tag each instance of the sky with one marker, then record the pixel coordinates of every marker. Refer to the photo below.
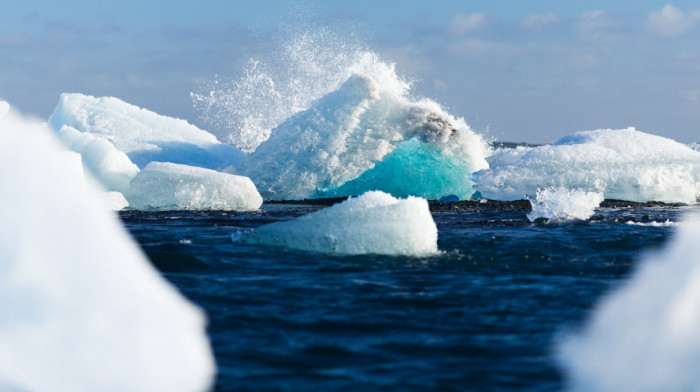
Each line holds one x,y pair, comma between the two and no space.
526,71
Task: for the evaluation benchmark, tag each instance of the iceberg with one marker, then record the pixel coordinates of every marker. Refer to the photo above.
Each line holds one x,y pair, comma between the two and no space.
108,165
82,308
365,136
170,186
374,222
644,336
622,164
561,205
144,136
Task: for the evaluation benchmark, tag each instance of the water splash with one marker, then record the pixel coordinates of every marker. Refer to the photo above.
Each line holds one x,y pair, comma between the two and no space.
243,111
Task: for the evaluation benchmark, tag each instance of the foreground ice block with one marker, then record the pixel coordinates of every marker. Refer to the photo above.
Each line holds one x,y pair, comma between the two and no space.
368,135
82,308
644,336
622,164
110,166
143,135
374,223
169,186
561,205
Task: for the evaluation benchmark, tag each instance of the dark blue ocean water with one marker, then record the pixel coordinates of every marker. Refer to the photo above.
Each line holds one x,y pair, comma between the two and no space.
482,316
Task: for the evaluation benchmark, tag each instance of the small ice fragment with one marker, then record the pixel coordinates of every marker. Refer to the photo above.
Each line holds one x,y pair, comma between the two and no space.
560,205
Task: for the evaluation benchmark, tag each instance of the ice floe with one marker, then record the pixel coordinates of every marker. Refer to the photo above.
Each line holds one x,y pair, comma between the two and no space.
622,164
374,222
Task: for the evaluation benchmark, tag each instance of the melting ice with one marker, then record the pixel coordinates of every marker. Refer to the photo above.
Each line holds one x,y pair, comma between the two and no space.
372,223
622,164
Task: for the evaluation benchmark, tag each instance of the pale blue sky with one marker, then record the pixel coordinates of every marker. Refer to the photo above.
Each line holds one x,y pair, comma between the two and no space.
518,70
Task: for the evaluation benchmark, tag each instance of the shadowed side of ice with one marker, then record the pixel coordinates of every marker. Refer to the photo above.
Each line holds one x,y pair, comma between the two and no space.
558,205
375,223
368,135
82,308
622,164
644,336
169,186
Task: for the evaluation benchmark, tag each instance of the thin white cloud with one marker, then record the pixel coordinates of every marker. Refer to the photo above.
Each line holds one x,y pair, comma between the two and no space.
670,21
539,21
594,23
465,24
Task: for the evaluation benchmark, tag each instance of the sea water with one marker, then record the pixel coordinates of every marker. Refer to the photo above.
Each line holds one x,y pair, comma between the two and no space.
484,314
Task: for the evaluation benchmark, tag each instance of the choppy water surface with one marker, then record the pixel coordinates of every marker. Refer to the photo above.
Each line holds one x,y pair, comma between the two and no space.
482,316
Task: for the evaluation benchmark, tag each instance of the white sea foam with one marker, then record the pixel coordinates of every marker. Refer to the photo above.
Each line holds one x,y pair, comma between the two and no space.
374,223
141,134
622,164
560,205
169,186
82,307
667,223
644,336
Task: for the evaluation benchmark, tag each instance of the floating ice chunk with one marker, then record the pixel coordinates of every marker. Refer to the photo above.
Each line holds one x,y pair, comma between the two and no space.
110,166
82,308
169,186
375,223
560,205
644,337
363,137
622,164
143,135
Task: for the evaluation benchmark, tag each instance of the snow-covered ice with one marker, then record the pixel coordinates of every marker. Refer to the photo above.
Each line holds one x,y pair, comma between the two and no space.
82,307
561,205
169,186
141,134
622,164
374,222
644,336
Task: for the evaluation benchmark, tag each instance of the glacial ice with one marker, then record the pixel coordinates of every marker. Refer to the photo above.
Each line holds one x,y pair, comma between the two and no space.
143,135
561,205
622,164
367,136
374,222
110,166
170,186
82,308
644,336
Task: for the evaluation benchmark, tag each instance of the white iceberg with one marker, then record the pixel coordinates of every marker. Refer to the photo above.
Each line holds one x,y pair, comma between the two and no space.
82,308
169,186
561,205
141,134
368,135
644,336
622,164
374,223
108,165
